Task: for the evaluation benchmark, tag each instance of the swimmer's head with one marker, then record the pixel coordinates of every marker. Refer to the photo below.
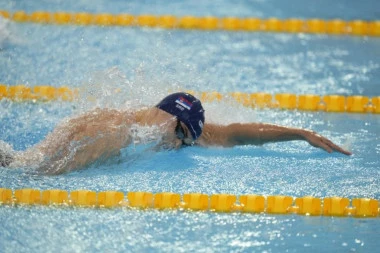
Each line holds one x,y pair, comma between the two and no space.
187,108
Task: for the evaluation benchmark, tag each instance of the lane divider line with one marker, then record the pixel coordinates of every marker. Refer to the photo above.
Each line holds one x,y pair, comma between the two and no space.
249,24
226,203
260,100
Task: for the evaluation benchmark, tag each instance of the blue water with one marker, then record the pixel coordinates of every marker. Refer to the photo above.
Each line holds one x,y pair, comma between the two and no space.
145,64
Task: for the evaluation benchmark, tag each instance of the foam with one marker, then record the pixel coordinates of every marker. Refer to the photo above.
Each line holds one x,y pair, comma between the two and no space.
8,33
5,32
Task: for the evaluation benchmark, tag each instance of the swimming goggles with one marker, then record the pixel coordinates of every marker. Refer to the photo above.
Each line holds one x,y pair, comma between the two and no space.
182,134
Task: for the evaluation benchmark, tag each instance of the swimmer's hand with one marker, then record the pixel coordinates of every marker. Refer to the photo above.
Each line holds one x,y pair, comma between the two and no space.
319,141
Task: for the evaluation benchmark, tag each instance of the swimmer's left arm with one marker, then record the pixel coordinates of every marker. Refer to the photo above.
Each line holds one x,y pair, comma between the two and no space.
260,133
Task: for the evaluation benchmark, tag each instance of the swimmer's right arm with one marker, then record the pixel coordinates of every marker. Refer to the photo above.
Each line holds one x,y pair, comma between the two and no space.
260,133
82,140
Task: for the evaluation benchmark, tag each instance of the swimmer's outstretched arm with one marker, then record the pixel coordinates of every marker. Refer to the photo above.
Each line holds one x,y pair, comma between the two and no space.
260,133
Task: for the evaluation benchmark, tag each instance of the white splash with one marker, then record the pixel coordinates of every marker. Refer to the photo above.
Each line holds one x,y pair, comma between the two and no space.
111,88
7,33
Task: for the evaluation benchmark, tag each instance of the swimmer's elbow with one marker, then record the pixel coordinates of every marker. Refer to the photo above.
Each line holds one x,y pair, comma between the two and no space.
242,134
235,134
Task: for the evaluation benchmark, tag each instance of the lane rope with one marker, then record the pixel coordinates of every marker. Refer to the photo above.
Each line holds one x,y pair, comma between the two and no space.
260,100
249,24
227,203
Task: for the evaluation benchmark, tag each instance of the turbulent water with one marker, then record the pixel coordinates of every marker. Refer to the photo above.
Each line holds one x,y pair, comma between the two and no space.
130,67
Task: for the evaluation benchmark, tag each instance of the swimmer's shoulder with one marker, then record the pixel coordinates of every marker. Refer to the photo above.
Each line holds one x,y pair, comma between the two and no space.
147,116
213,135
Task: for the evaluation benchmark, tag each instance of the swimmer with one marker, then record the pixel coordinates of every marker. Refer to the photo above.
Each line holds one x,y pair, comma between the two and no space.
179,120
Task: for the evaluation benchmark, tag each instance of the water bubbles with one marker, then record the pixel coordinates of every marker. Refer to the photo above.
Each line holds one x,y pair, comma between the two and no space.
4,30
8,33
104,89
111,88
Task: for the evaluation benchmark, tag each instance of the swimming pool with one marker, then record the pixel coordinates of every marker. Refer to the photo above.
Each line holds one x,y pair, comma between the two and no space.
144,64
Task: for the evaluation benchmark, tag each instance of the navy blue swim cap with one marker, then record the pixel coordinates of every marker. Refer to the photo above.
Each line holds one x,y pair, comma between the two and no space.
187,109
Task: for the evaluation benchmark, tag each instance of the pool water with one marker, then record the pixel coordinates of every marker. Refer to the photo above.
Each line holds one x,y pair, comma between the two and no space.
145,64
